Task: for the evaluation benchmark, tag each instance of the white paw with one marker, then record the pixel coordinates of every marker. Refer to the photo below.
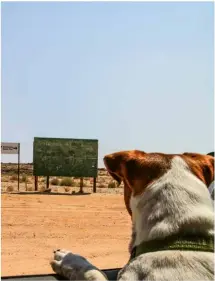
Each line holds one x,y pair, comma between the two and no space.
74,267
57,261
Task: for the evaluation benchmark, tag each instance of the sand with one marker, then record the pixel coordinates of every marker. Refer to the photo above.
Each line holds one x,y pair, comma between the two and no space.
96,226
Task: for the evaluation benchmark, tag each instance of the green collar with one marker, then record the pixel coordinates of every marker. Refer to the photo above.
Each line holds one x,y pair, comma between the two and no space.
184,243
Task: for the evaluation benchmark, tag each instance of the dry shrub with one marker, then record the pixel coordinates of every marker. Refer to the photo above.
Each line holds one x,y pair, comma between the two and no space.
102,185
87,183
41,188
55,181
67,182
112,184
54,189
23,178
43,180
29,188
4,179
14,178
67,188
9,188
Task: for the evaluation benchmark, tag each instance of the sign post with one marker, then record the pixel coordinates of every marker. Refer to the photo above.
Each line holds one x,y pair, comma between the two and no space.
47,182
81,185
12,148
36,183
94,185
18,163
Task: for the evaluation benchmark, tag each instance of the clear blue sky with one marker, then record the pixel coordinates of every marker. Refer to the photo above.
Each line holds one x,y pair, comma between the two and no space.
133,75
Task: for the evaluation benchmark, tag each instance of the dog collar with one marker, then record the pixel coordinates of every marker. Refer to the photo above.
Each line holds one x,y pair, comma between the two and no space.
185,243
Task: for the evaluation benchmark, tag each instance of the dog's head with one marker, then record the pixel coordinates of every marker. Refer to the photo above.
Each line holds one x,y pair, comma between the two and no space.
137,169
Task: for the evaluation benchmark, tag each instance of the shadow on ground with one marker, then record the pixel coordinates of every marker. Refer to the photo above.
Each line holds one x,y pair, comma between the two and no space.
47,193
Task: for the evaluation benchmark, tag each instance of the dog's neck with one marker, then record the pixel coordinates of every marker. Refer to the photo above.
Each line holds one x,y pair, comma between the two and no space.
176,203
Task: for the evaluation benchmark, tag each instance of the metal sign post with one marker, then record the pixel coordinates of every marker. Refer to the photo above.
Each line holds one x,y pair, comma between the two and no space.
18,163
11,148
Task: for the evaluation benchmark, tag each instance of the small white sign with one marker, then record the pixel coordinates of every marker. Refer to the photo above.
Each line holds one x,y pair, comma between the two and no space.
9,148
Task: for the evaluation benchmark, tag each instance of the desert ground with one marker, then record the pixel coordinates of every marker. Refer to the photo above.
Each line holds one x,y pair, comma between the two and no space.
95,225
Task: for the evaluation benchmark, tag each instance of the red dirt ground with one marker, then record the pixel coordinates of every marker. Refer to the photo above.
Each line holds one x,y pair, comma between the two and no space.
96,226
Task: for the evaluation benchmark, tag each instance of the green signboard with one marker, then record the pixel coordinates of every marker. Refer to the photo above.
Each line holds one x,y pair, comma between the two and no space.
65,157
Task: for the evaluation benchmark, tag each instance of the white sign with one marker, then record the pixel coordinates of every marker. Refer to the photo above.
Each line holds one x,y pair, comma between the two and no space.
9,148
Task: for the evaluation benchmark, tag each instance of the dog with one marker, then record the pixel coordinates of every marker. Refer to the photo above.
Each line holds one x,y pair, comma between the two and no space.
172,216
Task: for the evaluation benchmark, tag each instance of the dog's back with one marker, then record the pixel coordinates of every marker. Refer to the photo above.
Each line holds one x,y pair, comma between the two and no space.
170,265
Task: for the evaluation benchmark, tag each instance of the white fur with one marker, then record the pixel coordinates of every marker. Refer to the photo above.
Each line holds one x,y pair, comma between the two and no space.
177,202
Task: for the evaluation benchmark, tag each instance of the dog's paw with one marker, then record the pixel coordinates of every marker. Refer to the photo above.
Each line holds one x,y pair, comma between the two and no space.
75,267
57,261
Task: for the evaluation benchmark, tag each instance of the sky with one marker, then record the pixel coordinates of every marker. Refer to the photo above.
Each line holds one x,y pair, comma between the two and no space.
132,75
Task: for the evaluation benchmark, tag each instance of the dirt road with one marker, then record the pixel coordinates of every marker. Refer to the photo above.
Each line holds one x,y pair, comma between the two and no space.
96,226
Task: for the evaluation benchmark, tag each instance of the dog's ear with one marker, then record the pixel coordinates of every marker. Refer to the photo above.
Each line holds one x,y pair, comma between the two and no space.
113,164
201,165
116,164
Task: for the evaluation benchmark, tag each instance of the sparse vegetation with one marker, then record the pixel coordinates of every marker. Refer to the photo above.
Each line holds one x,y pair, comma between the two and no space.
67,182
10,188
23,178
14,178
43,180
42,188
30,188
4,179
55,181
112,184
67,188
54,189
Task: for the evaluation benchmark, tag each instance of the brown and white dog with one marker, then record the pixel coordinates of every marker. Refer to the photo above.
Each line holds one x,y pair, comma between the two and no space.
172,216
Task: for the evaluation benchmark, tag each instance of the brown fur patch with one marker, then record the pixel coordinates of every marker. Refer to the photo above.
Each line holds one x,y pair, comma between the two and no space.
202,166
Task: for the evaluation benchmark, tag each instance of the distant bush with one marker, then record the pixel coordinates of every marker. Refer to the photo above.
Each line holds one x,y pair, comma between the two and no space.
30,188
67,182
4,179
55,181
43,179
112,184
67,188
14,178
10,188
41,188
24,178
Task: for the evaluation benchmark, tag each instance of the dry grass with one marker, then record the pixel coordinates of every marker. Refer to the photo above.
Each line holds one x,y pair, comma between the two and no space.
112,184
14,178
54,189
4,179
29,188
55,181
43,180
41,188
10,188
24,178
67,189
67,182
